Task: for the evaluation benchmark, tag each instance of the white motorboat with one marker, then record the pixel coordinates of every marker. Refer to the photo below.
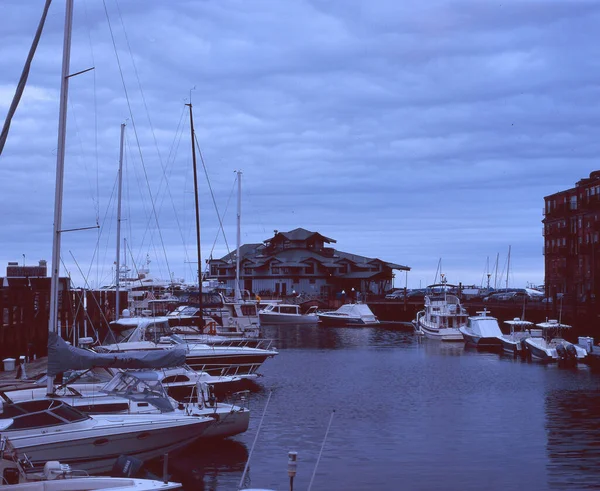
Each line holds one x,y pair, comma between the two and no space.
514,342
18,475
154,333
283,313
482,331
141,392
551,346
351,314
47,429
442,317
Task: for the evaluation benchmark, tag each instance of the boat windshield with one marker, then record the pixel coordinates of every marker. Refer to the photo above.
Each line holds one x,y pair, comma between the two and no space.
144,386
39,413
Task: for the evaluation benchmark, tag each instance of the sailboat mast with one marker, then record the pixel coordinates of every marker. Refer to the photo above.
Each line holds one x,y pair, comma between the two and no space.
118,264
60,167
201,323
238,295
507,267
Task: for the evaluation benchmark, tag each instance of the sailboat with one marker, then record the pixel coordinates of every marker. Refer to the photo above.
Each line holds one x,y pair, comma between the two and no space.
48,429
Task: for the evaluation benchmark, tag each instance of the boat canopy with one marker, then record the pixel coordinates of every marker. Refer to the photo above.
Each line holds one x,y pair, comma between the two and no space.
63,357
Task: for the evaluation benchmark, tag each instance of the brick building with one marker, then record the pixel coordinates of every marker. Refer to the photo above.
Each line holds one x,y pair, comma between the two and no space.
572,241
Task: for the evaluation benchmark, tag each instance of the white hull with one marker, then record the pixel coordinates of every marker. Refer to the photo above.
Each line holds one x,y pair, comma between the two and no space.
443,334
543,350
268,318
94,445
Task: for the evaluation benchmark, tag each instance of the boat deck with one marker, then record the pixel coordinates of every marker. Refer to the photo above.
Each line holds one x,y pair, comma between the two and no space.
32,369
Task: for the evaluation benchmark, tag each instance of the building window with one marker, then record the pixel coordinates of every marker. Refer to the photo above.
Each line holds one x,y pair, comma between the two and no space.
573,203
275,270
247,270
310,269
213,270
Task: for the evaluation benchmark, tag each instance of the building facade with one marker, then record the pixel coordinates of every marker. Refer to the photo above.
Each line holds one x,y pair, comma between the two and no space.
572,242
301,262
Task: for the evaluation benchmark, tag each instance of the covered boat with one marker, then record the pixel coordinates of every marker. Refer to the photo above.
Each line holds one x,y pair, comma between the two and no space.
482,331
351,314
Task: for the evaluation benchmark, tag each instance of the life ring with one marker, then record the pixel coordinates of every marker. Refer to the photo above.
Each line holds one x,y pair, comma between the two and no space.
212,327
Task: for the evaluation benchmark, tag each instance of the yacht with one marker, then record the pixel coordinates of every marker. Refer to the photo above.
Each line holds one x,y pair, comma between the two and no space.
351,314
284,313
154,333
519,330
142,392
551,346
482,331
441,318
47,429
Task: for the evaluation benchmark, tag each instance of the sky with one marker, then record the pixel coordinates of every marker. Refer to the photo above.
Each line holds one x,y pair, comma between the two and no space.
416,132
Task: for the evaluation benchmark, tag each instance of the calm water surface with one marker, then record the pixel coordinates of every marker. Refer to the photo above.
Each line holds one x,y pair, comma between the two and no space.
410,414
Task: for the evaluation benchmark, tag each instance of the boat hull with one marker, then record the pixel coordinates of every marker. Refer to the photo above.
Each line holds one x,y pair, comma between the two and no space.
96,449
473,339
443,334
513,347
278,318
334,321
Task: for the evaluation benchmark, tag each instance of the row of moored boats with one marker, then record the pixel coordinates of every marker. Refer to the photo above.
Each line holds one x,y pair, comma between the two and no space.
444,318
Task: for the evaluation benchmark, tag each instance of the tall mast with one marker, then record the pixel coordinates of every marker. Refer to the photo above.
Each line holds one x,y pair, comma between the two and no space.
507,267
238,295
118,280
201,323
60,167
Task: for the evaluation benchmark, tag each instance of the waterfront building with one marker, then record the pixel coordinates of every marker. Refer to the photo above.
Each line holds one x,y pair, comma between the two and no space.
572,242
301,262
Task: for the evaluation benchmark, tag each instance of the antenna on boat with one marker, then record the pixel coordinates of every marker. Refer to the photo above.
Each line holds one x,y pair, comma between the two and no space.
254,442
321,452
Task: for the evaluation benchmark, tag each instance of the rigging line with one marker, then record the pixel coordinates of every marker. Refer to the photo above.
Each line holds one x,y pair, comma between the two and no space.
23,79
163,167
78,157
139,83
136,135
96,253
212,194
85,281
250,196
221,225
85,4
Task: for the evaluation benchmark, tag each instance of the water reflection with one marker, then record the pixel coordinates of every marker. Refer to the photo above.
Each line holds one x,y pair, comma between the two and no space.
573,446
207,464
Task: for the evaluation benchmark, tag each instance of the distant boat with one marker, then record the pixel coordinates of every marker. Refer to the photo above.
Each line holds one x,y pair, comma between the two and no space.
351,314
552,347
482,331
284,313
514,342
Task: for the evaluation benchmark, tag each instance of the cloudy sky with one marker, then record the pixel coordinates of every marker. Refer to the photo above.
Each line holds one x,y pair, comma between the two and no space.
409,131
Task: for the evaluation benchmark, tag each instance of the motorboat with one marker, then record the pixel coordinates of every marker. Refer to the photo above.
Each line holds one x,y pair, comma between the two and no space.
284,313
514,342
551,346
351,314
47,429
18,474
154,333
142,392
482,331
441,317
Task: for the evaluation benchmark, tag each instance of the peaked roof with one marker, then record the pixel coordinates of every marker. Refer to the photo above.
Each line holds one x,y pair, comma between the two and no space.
301,234
245,250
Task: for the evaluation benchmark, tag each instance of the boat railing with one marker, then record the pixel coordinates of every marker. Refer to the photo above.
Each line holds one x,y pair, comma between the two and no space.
238,370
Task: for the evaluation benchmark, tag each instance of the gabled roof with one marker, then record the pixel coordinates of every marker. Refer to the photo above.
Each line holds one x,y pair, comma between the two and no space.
300,234
245,250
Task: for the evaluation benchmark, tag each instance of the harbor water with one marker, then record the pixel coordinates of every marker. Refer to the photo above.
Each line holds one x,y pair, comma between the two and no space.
410,414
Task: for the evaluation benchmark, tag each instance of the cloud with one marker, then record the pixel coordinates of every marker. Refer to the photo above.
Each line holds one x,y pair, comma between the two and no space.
407,131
